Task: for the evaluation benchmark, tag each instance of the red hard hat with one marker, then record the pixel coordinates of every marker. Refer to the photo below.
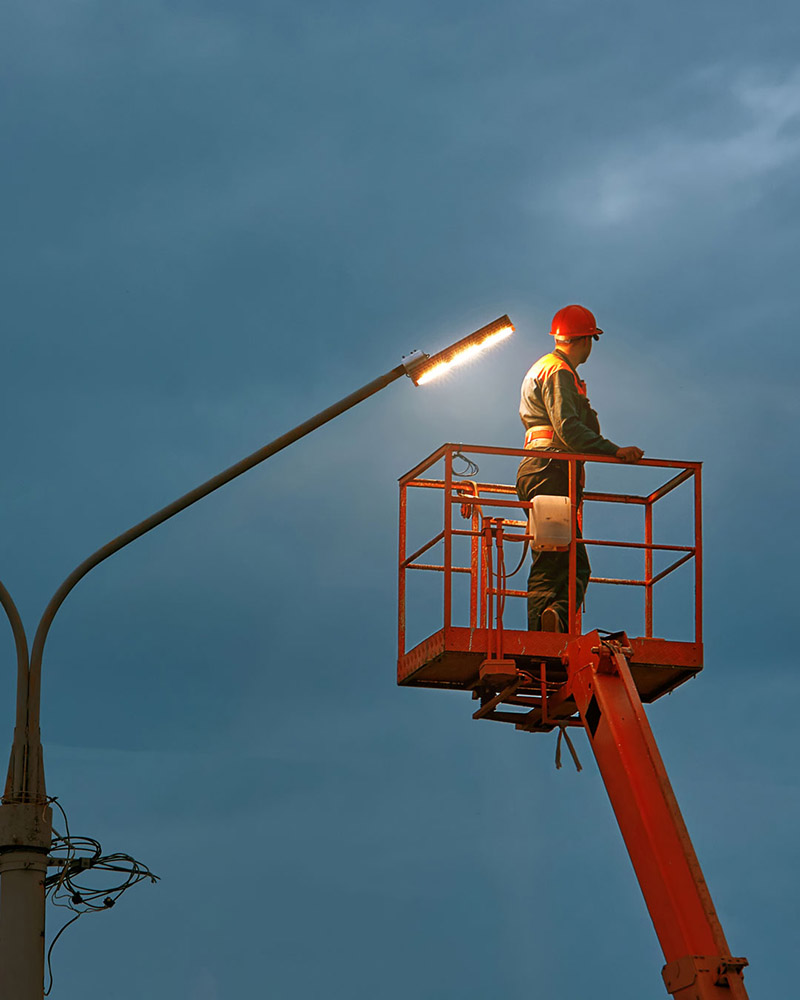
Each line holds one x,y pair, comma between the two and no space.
573,322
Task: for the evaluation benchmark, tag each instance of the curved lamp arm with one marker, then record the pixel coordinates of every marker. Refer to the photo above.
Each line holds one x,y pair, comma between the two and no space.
221,479
21,642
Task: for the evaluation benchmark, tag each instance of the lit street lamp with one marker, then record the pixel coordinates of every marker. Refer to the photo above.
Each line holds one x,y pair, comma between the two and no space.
25,813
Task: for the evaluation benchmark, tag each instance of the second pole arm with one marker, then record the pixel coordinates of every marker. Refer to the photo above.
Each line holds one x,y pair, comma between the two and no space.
221,479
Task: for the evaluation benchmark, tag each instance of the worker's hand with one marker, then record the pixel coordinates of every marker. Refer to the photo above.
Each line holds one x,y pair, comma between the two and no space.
630,454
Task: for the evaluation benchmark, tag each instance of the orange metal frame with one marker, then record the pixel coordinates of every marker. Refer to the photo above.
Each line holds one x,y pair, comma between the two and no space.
550,680
486,569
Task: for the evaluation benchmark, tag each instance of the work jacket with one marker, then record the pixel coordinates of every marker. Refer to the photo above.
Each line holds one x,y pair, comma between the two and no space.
556,413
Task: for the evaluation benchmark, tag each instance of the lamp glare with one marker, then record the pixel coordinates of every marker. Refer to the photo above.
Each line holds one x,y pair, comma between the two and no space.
460,354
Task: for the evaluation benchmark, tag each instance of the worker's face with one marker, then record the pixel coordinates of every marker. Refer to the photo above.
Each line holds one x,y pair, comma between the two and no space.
586,345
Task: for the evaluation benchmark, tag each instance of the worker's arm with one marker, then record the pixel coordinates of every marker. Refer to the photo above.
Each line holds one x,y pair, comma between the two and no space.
572,417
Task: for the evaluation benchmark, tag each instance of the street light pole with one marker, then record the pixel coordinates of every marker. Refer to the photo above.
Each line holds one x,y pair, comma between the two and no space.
25,813
25,835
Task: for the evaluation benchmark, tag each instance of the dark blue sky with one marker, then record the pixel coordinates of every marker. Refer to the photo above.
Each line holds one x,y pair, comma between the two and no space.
216,220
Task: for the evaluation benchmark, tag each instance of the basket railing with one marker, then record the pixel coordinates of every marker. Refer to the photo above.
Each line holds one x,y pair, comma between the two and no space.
497,516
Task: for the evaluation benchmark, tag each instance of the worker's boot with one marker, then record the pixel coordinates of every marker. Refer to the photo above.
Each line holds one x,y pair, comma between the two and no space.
551,622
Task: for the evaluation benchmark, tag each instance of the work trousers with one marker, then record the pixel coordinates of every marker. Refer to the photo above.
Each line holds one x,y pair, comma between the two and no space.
548,581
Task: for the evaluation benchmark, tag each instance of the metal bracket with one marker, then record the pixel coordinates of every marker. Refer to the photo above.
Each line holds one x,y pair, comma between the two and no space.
683,972
735,965
492,704
411,362
77,863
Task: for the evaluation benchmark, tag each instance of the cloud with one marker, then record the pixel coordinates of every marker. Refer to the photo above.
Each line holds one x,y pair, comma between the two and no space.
667,169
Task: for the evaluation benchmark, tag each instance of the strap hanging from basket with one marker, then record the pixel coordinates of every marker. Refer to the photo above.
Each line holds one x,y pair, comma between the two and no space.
562,733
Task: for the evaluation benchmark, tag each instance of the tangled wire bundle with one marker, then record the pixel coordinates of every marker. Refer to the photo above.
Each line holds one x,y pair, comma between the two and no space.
75,858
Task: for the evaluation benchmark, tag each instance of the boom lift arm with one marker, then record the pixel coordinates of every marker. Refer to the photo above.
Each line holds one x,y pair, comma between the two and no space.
539,681
699,965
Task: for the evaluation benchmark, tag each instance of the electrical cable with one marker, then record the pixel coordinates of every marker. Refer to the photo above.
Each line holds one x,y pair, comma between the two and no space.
501,581
521,563
471,467
50,952
74,855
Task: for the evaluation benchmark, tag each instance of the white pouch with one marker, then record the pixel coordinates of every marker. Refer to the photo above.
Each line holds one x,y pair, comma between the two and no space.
550,524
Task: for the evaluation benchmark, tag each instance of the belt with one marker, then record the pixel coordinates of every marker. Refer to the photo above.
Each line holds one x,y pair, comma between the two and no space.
539,437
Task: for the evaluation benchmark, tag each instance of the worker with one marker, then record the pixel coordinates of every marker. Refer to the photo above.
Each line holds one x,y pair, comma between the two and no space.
557,416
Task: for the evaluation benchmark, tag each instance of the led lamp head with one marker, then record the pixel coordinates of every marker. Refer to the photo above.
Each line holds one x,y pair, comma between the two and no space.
421,368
